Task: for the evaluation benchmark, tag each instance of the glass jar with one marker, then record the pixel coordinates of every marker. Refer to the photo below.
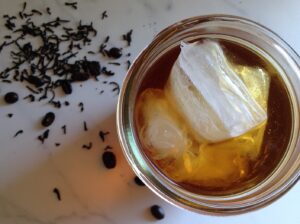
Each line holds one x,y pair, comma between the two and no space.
250,34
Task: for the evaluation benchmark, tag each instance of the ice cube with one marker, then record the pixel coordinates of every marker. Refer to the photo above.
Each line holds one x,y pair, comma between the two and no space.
162,131
211,96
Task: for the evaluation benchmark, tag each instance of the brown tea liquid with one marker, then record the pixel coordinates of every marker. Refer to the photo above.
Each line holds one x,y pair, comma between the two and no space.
275,136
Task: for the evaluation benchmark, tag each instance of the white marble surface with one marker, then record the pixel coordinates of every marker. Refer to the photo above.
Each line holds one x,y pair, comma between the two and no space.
90,193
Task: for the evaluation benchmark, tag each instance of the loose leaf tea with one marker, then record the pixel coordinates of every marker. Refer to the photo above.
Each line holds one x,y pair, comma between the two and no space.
109,159
127,37
11,97
45,54
48,119
30,97
114,52
48,66
87,146
64,129
18,133
138,181
71,4
102,135
85,128
44,136
157,212
104,15
57,193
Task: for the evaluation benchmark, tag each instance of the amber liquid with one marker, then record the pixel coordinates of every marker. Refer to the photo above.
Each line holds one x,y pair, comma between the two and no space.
277,131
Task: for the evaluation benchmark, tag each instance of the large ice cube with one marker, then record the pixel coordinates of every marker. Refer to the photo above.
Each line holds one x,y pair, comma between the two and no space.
211,96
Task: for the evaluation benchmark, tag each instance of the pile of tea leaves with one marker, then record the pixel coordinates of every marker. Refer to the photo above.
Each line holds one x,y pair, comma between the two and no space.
44,55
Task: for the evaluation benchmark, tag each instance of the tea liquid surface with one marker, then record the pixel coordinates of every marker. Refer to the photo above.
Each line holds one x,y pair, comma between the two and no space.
226,167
